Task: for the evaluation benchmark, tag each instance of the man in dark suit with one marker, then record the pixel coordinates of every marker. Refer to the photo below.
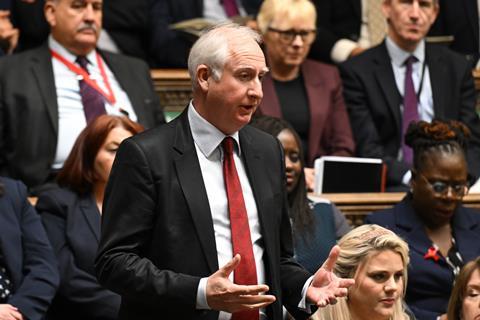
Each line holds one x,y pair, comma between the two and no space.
460,20
171,218
28,270
169,48
374,89
43,107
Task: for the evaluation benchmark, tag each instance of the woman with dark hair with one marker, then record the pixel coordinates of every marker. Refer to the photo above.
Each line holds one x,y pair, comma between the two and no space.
71,216
441,232
316,226
28,269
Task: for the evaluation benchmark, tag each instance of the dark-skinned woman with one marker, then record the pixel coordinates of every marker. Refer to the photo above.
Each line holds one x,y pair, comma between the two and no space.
442,234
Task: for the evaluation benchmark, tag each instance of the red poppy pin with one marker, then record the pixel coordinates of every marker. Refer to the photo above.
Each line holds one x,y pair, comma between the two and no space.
432,253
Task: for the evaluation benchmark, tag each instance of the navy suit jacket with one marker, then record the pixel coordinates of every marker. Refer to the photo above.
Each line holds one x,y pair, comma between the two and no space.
72,223
28,255
158,239
373,104
29,109
430,282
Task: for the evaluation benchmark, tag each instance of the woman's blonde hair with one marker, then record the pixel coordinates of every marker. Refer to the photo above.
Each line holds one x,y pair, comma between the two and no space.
459,291
286,9
356,247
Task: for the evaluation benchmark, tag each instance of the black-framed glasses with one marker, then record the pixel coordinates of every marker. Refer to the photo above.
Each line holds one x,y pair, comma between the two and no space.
441,188
288,36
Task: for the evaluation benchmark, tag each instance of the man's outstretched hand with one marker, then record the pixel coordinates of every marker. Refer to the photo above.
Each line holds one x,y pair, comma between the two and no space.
224,295
326,287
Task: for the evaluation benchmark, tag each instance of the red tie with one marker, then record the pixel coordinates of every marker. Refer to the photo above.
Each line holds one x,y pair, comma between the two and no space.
246,272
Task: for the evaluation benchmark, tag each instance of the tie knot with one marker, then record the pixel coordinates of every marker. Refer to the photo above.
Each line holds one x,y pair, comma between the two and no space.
82,61
227,145
410,60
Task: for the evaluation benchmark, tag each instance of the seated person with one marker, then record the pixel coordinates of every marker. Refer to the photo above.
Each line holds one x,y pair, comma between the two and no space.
169,48
306,93
405,79
377,259
441,232
28,269
71,215
48,96
465,299
316,226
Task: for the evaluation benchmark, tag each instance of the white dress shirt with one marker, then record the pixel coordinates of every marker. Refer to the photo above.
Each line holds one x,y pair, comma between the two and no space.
425,103
71,118
208,141
213,10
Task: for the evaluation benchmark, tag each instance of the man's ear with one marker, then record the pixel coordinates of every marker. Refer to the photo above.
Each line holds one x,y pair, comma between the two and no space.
49,11
203,75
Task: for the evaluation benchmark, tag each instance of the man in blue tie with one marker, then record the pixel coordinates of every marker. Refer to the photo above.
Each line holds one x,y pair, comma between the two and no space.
404,79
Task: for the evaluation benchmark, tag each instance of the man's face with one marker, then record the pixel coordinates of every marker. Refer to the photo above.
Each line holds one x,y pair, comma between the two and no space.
75,24
409,20
232,100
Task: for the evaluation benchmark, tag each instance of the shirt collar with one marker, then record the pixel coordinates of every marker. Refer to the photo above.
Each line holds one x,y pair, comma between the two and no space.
57,47
206,136
398,55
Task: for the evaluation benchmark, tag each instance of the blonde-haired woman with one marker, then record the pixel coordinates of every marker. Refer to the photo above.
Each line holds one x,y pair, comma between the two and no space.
377,259
306,93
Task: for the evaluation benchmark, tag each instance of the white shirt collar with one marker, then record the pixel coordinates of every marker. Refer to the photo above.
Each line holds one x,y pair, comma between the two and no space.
206,136
398,55
56,46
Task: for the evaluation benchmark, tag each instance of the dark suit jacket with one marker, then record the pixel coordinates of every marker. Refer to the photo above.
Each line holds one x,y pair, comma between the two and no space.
460,19
28,255
336,20
429,282
170,48
373,103
29,110
157,230
72,223
330,132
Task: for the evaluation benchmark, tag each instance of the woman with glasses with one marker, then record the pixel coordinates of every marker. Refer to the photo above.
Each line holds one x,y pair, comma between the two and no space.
442,234
306,93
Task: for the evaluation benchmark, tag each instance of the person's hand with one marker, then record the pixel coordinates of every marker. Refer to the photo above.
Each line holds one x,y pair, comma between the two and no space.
8,33
356,52
224,295
309,178
326,287
443,317
9,312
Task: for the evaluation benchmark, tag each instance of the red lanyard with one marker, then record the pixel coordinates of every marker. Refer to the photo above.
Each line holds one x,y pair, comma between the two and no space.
86,77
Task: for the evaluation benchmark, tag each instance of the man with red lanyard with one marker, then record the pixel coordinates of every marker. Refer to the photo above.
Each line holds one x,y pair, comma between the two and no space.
49,94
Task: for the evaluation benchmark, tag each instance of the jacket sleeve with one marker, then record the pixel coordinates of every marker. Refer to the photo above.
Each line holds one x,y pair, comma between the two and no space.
41,279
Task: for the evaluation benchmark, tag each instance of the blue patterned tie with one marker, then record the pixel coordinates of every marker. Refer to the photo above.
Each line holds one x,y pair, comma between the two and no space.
410,108
5,284
92,100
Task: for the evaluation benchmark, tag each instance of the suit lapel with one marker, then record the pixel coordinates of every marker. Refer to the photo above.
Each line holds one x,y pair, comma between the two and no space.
42,70
318,104
416,237
438,77
472,12
90,211
270,104
257,176
466,234
192,184
386,81
357,7
130,87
